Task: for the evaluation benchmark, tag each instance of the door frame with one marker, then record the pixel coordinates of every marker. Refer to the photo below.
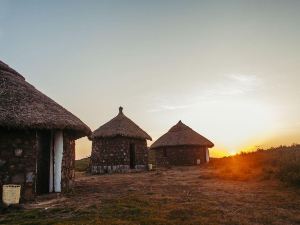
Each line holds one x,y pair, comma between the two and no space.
54,156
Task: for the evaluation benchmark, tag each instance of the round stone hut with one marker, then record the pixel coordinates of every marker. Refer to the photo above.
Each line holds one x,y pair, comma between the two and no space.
181,146
118,146
37,138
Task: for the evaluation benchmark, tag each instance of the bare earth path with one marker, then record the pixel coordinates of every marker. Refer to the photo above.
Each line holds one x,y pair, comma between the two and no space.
186,195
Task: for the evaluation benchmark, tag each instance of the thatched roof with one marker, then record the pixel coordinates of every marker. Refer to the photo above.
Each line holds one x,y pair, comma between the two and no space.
24,107
181,135
120,126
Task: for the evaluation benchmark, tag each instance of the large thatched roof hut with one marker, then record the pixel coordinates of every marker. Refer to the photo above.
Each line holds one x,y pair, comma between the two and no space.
119,145
37,137
181,145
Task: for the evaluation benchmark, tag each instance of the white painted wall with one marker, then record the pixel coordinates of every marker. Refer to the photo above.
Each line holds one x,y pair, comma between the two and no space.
56,161
58,155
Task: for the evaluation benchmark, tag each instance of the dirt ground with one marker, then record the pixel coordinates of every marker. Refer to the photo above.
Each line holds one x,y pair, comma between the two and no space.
185,195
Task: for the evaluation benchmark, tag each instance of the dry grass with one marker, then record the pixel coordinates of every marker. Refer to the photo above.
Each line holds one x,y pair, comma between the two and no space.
281,163
184,195
244,189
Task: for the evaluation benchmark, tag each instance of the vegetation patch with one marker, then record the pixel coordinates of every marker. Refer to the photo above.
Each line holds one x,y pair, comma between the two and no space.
212,194
181,214
130,208
82,165
282,163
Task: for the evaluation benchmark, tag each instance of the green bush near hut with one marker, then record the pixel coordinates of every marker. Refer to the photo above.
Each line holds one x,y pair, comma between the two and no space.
82,165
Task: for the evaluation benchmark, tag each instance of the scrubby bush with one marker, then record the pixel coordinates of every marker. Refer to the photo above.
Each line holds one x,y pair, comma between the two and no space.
289,168
82,165
282,163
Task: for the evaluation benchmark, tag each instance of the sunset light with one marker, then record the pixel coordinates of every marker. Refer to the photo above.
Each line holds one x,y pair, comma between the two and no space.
150,112
235,94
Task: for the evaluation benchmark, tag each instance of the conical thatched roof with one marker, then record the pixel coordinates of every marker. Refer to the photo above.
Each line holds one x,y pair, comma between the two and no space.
120,126
180,135
23,106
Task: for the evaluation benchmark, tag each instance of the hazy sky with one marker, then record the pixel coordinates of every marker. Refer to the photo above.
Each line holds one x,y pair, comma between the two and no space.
228,69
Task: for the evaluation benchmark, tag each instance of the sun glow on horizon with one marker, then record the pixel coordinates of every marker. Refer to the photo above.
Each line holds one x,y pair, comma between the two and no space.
232,115
233,78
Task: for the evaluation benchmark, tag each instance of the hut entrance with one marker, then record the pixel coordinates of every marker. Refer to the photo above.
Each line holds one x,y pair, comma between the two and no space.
49,161
43,162
132,156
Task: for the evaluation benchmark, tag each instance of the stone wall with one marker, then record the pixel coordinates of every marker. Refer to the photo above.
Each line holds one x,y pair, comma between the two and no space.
21,169
18,160
68,163
179,155
112,154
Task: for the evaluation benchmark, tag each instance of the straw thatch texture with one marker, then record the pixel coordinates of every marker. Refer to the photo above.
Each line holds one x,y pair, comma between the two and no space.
181,135
23,106
120,126
6,68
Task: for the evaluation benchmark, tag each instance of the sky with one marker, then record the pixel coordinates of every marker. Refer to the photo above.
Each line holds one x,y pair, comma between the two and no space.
228,69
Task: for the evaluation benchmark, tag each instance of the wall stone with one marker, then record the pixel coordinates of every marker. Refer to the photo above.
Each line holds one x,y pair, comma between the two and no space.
22,169
16,168
68,163
110,155
179,155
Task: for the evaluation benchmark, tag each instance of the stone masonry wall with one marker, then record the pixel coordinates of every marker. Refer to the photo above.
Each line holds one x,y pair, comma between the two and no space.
18,168
21,169
179,155
112,154
68,163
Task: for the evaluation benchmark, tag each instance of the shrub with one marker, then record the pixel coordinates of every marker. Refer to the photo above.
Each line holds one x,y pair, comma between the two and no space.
82,165
289,170
282,163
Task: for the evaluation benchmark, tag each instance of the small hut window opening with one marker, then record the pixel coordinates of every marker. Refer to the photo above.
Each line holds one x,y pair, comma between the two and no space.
165,154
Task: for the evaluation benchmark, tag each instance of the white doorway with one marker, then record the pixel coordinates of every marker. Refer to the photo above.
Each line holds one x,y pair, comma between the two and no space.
56,156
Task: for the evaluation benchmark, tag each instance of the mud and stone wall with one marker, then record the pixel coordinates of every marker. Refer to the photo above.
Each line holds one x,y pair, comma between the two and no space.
111,155
180,155
68,163
18,155
18,160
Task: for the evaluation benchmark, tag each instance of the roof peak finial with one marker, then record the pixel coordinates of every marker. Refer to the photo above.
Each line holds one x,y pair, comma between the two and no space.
120,110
